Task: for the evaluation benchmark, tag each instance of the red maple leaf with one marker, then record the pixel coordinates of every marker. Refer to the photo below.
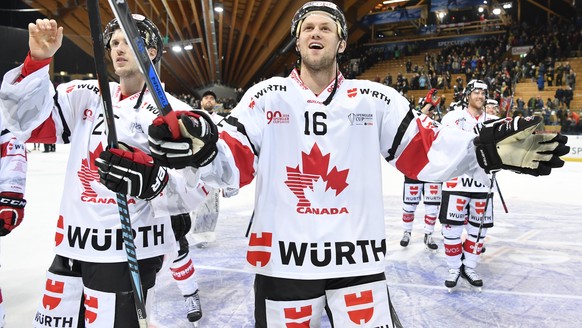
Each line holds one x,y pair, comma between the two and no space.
315,166
88,172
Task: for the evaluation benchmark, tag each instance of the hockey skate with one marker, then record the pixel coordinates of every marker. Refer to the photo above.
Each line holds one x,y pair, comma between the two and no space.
193,307
405,239
429,243
472,277
451,281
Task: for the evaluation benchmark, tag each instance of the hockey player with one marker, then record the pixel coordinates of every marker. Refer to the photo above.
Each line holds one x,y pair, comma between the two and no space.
492,107
89,282
415,190
13,167
464,198
312,140
206,215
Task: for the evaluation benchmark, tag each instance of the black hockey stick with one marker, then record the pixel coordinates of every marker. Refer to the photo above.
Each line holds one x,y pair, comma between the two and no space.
489,196
138,47
101,70
501,197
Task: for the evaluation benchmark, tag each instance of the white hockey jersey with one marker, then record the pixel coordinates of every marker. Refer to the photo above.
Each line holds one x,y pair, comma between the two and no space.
13,162
319,204
463,120
88,227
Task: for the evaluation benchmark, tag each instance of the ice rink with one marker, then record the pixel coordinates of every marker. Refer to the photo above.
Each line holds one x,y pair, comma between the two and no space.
532,270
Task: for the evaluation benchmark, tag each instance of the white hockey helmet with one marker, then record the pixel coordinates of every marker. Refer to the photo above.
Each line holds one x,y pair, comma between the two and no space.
474,85
492,102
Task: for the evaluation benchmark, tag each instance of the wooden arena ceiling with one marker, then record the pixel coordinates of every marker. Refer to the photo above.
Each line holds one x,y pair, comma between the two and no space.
237,47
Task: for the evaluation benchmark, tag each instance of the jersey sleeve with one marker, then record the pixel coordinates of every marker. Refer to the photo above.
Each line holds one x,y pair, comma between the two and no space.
13,163
33,110
425,151
28,103
239,145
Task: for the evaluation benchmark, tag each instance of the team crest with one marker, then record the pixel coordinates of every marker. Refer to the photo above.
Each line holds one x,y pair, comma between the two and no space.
316,185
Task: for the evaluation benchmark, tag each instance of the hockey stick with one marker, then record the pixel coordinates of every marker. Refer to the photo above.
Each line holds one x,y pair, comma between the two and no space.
138,47
101,70
501,197
489,195
250,224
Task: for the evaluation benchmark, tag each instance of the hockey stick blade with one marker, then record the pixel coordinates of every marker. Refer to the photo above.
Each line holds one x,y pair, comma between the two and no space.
101,70
138,47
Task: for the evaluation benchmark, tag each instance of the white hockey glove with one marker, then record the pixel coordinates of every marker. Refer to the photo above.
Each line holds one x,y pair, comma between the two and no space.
132,172
196,147
511,144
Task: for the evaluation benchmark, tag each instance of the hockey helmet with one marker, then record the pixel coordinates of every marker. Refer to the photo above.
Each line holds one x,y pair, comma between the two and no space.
474,85
492,102
330,8
147,29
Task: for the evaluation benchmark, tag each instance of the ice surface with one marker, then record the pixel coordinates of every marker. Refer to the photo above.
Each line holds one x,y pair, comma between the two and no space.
532,268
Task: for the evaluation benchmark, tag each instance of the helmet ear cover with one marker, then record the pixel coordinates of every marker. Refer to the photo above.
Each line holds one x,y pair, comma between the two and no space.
147,30
330,8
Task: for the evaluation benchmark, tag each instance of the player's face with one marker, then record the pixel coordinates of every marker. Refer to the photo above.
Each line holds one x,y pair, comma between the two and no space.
207,103
318,41
477,99
124,62
491,110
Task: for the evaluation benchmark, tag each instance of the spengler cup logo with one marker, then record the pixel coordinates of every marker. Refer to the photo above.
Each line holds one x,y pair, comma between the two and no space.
316,185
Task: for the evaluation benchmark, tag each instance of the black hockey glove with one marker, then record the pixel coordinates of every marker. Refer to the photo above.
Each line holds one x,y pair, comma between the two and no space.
11,211
511,144
196,147
130,171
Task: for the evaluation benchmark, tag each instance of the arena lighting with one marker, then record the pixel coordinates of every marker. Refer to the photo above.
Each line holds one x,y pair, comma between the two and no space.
496,11
392,1
178,46
218,8
507,5
480,9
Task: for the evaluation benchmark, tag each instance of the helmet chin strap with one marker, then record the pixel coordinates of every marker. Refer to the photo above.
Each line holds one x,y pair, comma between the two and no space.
330,97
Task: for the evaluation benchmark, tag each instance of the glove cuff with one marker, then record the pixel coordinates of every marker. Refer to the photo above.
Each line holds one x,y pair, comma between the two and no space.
159,183
487,155
7,200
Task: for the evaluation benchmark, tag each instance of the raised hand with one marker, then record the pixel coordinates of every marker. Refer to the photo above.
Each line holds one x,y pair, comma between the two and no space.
45,37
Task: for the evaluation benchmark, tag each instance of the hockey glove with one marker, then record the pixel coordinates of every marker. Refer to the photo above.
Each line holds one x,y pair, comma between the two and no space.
130,171
432,98
11,211
512,145
196,147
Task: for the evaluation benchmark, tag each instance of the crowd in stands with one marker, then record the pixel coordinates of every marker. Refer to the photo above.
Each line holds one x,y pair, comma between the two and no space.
486,60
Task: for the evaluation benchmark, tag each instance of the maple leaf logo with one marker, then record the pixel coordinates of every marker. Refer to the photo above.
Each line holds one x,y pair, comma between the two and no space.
89,173
314,183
